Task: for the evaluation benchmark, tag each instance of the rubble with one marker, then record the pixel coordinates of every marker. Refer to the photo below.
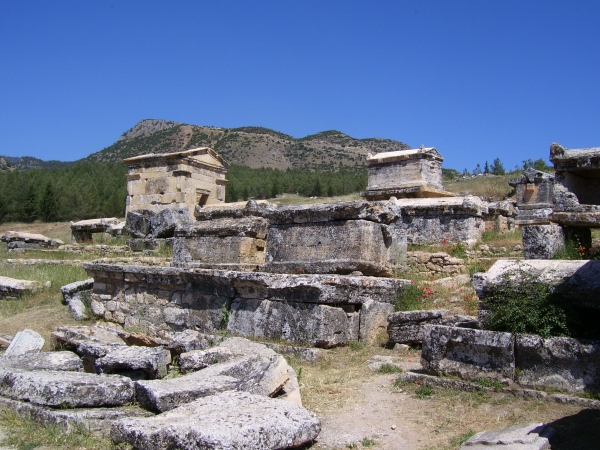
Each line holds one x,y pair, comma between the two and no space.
17,240
13,288
137,362
78,297
25,342
58,361
227,420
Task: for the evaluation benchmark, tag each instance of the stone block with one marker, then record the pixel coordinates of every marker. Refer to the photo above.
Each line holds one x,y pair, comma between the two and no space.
199,359
319,325
11,287
24,342
149,362
189,340
373,320
227,420
542,241
558,363
65,360
65,389
531,436
467,353
406,327
78,296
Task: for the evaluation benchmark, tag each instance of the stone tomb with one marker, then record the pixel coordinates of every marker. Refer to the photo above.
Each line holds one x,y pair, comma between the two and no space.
320,310
181,179
82,231
405,173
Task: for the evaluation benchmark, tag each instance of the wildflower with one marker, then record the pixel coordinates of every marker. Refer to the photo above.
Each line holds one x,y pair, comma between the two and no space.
466,309
410,360
468,297
444,241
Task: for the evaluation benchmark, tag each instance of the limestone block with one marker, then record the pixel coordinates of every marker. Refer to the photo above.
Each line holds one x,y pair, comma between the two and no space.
199,359
163,223
189,340
78,296
331,247
227,420
95,420
217,251
164,395
406,327
563,363
64,360
24,342
70,389
468,353
152,361
542,241
373,320
11,287
321,325
531,436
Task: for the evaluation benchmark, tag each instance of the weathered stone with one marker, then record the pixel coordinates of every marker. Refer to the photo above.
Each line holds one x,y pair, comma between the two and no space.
24,342
199,359
11,287
67,361
31,240
164,395
373,320
433,220
305,353
542,241
406,327
228,420
575,281
377,362
5,340
321,325
82,231
148,362
563,363
335,247
137,223
164,222
531,436
142,339
468,353
78,296
189,340
70,389
185,179
95,420
405,173
290,391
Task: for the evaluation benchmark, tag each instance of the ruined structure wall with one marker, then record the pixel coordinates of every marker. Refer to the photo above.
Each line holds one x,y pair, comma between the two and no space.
585,186
400,174
435,229
323,310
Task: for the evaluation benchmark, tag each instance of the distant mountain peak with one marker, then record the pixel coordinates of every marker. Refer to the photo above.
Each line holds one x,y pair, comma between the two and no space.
147,127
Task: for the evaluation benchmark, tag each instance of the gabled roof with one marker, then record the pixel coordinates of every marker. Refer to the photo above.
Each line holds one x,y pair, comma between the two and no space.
399,155
156,157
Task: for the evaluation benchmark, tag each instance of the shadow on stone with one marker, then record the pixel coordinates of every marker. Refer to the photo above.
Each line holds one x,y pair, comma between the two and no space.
577,432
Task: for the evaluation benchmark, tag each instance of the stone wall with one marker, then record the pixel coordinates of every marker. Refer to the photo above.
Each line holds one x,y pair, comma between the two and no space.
440,262
321,310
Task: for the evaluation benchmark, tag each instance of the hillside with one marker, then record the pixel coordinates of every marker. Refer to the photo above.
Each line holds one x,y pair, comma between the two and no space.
253,147
29,162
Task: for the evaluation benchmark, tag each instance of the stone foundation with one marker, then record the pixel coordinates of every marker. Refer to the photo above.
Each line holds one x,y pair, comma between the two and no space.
320,310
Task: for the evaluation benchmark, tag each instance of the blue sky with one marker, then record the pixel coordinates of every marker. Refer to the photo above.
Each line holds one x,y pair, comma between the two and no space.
475,79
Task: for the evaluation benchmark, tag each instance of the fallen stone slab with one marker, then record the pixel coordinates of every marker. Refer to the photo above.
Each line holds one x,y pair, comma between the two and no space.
199,359
5,340
24,342
67,361
231,420
16,239
66,389
78,296
164,395
147,362
188,340
468,353
567,364
406,327
11,287
531,436
95,420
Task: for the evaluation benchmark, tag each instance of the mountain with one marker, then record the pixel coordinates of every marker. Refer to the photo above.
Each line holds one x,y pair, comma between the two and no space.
29,162
252,147
5,166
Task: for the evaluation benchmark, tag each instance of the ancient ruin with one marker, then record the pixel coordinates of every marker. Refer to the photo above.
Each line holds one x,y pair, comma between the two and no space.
83,230
405,174
181,179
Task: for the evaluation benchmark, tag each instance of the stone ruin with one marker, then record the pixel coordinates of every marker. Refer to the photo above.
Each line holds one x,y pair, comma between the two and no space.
233,393
413,173
187,179
18,241
555,210
83,230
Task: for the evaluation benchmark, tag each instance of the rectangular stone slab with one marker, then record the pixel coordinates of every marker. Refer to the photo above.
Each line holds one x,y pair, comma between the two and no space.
93,419
231,420
71,389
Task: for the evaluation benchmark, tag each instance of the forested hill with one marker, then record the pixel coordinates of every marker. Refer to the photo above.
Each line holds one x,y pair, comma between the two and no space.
253,147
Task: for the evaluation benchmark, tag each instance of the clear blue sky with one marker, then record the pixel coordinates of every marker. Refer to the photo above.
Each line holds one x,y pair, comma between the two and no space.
475,79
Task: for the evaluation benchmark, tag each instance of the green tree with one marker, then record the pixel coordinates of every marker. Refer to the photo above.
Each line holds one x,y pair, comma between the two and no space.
329,190
3,209
30,205
486,168
497,167
477,170
245,194
49,204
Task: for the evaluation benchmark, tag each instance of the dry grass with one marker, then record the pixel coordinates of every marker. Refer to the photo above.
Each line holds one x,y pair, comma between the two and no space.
493,188
54,230
293,199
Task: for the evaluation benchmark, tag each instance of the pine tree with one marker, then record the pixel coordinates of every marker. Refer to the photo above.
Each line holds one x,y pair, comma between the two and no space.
487,168
497,167
3,209
49,204
30,205
477,170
